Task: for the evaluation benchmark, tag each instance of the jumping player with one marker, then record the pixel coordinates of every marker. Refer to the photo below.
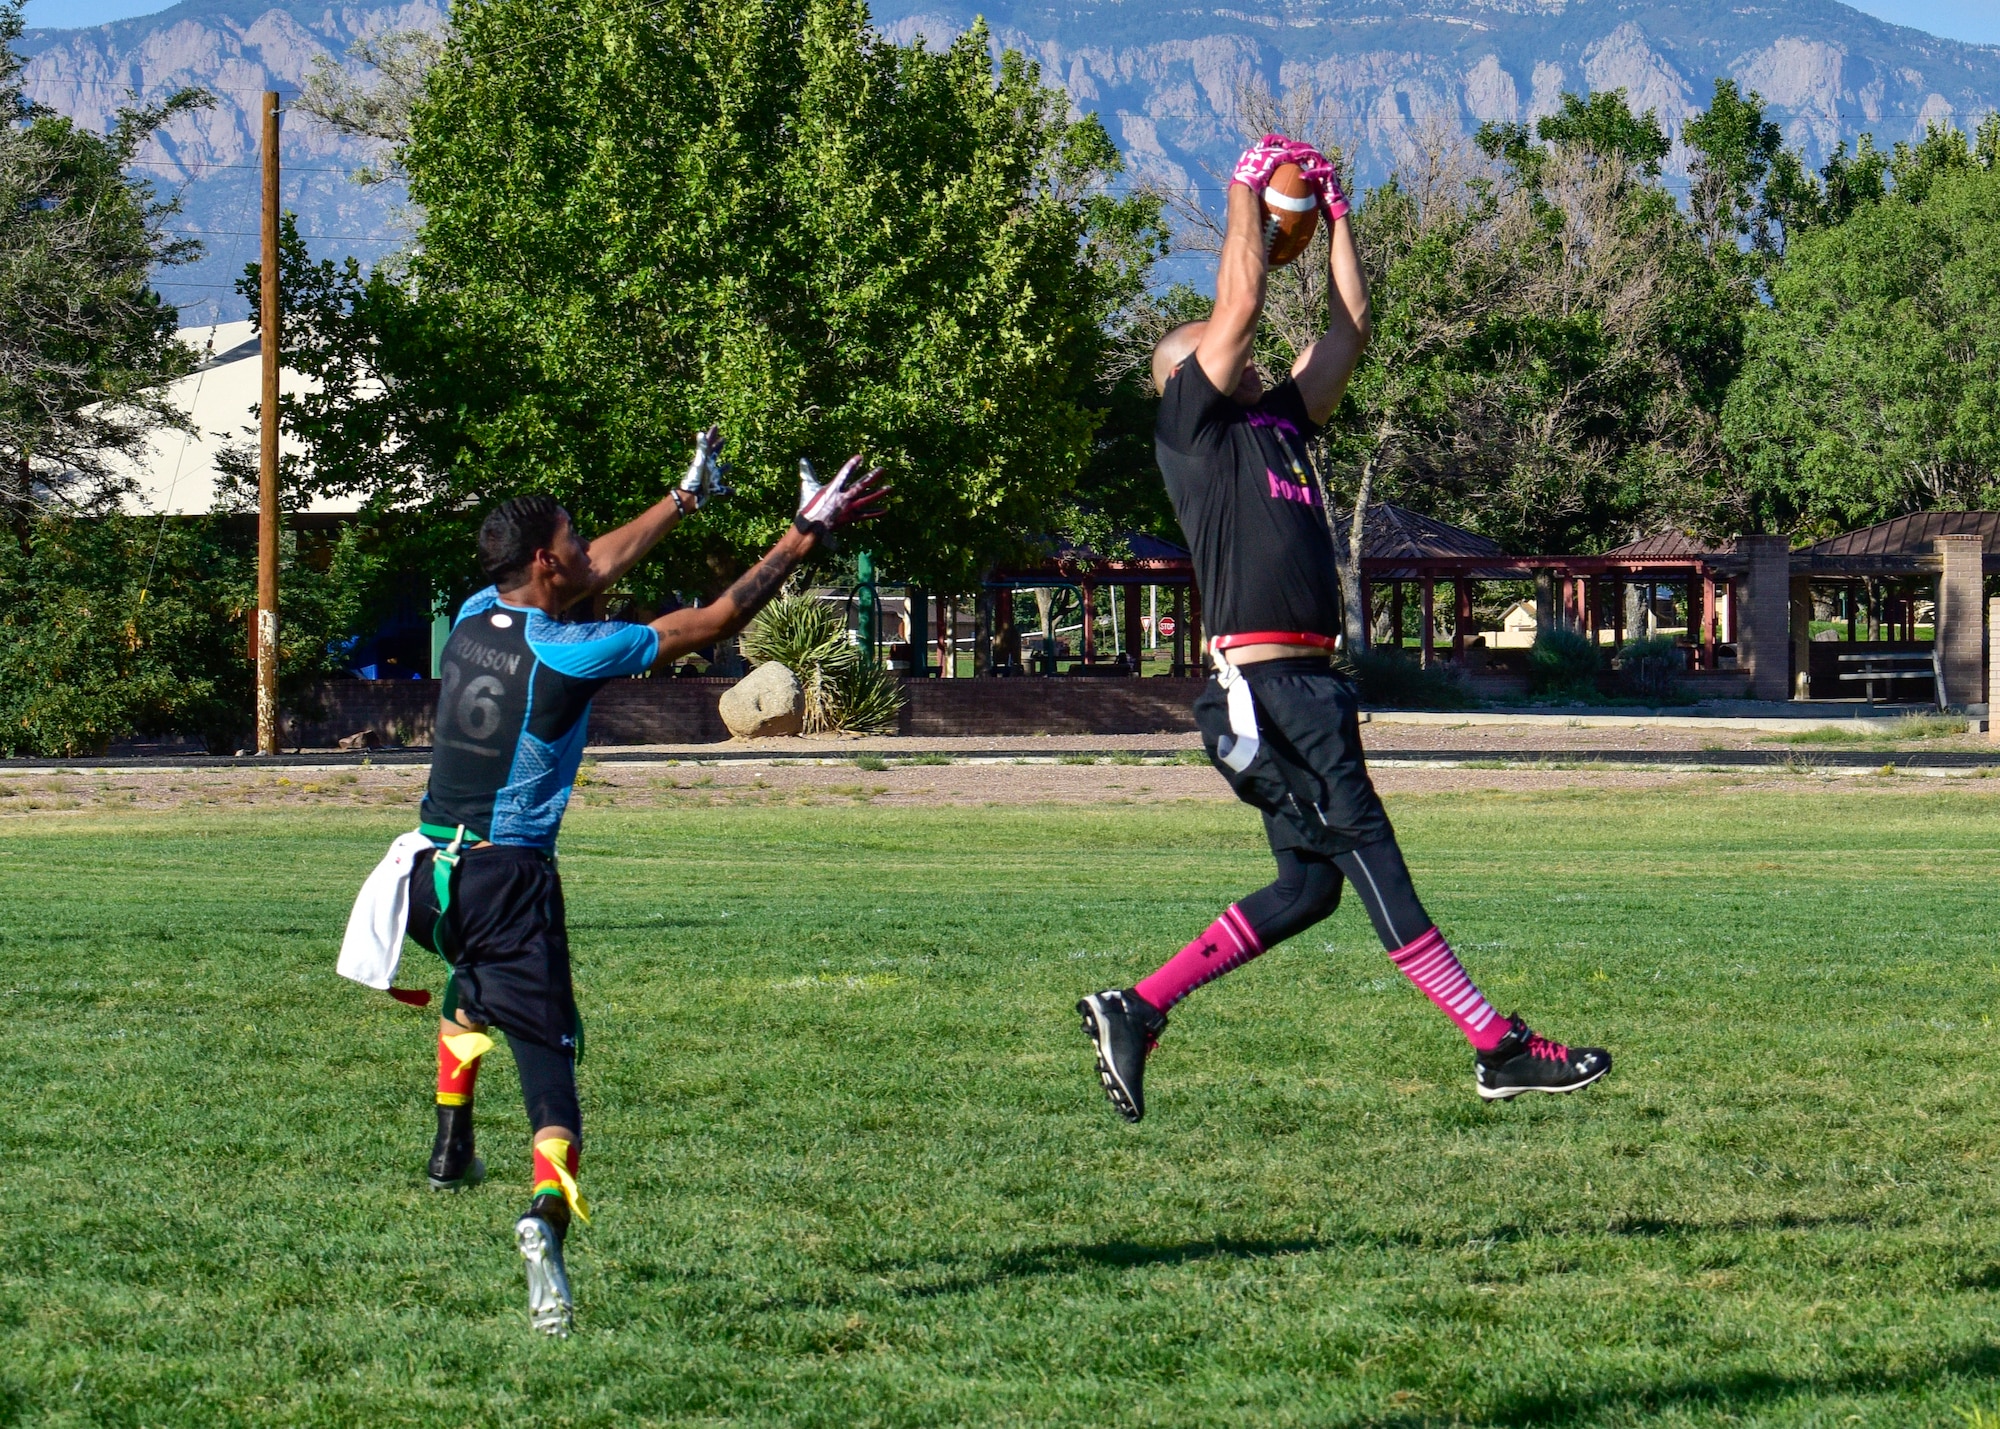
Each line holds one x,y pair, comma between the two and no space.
517,686
1278,719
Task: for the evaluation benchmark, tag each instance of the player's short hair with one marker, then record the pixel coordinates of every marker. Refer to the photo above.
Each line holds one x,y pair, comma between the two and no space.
1172,350
513,531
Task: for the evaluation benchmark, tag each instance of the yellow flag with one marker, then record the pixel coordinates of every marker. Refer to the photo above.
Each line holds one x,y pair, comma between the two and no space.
468,1047
557,1151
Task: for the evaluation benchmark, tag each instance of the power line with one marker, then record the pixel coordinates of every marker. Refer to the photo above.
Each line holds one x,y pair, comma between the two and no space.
255,233
203,164
128,90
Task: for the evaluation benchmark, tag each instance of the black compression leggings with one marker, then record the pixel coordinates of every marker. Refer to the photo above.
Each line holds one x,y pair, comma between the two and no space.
1308,889
548,1085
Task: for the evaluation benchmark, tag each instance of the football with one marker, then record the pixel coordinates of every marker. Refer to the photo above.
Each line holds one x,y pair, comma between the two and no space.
1291,214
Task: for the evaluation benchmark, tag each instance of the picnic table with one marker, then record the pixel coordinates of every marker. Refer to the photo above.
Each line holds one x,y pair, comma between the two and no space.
1888,666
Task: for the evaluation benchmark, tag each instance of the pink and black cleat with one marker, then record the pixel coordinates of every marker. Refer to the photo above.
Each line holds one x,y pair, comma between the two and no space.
1526,1061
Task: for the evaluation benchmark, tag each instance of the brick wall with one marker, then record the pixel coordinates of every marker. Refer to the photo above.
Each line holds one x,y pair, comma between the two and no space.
1083,704
404,711
683,711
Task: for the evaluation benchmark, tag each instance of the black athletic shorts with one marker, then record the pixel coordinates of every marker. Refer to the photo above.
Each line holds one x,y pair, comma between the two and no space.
1308,777
506,940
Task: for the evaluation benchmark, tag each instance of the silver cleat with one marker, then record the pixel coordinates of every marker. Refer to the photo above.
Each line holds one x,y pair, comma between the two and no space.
550,1308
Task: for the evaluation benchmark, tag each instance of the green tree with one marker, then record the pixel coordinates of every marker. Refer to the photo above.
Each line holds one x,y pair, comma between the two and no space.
85,341
1733,147
1871,384
1601,129
115,625
1552,338
759,214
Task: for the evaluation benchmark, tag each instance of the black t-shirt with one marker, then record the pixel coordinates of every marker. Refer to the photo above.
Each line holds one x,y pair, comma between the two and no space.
513,708
1241,482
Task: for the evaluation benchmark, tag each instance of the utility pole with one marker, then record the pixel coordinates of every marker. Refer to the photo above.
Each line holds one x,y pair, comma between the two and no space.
267,464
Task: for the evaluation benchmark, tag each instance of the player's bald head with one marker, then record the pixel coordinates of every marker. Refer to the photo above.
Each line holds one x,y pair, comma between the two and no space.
1173,349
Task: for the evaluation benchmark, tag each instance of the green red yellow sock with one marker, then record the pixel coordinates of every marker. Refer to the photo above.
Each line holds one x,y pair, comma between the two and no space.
556,1161
458,1065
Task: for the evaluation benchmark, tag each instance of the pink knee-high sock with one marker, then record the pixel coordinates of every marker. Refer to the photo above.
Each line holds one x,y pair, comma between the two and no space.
1430,963
1227,943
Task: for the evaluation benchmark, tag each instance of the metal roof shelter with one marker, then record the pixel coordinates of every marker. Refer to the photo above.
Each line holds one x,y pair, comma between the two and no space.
1394,541
1400,545
1877,578
1571,590
1906,545
1152,561
1665,545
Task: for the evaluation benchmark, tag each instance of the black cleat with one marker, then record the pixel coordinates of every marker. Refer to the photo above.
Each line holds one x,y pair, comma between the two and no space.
1123,1027
454,1165
539,1234
1526,1061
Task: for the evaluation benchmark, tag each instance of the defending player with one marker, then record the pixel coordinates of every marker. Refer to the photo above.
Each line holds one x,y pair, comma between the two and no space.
517,686
1278,719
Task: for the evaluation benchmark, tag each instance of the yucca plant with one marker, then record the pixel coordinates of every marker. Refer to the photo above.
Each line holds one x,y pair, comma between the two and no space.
809,638
840,692
867,699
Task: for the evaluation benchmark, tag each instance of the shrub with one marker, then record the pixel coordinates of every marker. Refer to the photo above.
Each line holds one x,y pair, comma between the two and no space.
1563,662
1649,667
840,692
866,699
113,626
809,638
1390,680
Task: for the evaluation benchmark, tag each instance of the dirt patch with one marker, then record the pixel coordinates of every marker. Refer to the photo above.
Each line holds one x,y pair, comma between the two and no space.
669,786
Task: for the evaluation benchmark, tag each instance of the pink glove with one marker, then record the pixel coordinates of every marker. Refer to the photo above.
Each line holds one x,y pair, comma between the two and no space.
1319,173
823,508
1259,161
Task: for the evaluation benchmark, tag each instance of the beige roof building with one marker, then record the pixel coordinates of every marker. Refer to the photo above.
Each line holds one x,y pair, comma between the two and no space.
176,473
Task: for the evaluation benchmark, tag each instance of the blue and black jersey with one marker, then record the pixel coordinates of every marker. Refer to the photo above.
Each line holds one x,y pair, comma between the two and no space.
511,715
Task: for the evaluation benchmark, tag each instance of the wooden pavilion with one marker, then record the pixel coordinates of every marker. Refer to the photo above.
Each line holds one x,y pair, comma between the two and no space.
1401,549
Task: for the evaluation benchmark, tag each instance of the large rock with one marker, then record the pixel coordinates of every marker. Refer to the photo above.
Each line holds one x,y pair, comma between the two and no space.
765,703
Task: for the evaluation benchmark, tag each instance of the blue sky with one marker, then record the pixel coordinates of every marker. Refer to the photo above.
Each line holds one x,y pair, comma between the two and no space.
1977,20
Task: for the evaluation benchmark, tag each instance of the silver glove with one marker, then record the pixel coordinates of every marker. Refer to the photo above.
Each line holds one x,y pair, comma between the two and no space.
706,470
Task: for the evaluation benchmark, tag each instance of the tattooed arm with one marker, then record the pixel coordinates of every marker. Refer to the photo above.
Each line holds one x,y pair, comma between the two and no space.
822,509
686,630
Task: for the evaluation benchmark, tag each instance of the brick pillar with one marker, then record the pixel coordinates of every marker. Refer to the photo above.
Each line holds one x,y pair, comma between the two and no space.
1961,631
1993,670
1763,616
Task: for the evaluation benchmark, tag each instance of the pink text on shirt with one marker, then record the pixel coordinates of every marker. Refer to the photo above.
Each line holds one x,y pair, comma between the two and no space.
1283,490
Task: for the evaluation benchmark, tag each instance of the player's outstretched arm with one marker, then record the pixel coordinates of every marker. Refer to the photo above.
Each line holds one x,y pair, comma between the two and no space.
1226,346
1322,370
617,551
822,511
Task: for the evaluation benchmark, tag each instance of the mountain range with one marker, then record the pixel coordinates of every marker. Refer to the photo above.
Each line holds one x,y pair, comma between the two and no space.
1167,79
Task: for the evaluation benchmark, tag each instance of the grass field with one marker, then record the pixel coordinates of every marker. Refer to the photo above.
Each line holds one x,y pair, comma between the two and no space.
850,1167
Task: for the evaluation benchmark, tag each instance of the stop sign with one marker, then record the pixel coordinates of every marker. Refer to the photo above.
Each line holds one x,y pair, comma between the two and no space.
1167,626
